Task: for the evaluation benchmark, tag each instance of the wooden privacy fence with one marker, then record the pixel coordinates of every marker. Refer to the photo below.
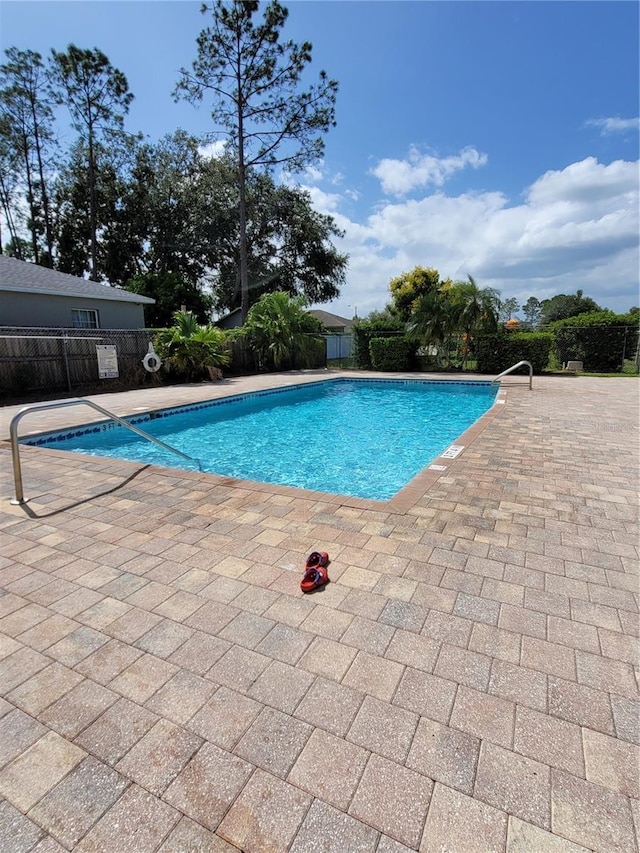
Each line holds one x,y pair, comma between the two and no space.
245,360
35,360
53,359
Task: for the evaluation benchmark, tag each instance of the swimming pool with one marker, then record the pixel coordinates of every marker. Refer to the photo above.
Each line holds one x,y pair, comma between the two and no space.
358,437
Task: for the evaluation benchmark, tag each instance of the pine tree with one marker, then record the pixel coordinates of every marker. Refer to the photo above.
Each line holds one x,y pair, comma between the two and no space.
253,80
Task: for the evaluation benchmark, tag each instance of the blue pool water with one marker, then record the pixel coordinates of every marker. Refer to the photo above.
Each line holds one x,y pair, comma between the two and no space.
365,438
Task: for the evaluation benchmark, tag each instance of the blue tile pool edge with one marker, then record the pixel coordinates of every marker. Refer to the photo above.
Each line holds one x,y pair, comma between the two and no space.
399,504
55,437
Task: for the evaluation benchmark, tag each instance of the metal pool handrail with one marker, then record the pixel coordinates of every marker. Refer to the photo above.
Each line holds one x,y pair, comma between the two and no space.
515,367
15,446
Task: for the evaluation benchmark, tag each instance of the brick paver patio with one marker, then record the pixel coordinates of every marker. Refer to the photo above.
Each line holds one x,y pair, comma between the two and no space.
466,682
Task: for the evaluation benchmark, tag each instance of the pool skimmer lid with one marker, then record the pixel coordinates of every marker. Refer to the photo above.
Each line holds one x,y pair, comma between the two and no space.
452,452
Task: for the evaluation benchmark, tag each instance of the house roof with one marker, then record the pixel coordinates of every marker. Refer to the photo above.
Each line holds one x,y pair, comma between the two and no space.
22,277
331,321
230,320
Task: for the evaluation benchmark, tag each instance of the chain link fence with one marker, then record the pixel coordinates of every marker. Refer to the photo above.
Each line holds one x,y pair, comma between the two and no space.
35,360
604,347
340,349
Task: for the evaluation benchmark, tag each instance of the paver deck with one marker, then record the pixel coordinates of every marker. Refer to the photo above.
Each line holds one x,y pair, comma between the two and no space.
468,681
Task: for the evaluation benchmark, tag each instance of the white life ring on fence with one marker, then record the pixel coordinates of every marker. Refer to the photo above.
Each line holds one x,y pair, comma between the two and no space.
152,362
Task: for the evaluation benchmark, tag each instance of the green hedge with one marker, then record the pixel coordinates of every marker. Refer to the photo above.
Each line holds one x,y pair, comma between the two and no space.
600,340
396,353
501,350
363,333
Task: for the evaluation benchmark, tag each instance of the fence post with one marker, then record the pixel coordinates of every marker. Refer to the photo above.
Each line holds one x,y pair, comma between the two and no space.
65,356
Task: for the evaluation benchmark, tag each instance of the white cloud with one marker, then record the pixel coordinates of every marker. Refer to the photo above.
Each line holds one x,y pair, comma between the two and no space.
577,228
399,177
212,150
323,201
615,125
313,173
586,181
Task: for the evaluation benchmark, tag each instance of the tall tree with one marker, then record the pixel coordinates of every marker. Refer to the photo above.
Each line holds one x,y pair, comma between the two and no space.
408,288
532,312
122,212
563,306
9,190
97,96
289,244
509,307
71,202
177,227
170,225
171,291
160,224
73,229
303,257
254,82
26,129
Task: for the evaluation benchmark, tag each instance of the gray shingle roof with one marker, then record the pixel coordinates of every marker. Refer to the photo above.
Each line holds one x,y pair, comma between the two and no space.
22,277
331,321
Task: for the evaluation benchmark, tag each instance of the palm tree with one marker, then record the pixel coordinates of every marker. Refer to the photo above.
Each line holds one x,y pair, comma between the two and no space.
432,320
475,310
190,348
281,330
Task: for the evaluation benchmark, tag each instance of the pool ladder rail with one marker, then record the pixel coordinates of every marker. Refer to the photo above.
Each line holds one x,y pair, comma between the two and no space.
515,367
15,446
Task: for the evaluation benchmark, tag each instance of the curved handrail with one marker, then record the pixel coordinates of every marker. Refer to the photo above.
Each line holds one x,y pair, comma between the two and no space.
15,446
515,367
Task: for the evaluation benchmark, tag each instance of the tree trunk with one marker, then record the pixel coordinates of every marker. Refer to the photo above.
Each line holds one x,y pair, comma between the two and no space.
8,213
242,188
244,265
30,198
92,209
43,192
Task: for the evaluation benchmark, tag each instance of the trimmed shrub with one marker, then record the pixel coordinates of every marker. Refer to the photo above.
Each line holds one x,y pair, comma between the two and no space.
532,346
396,353
499,351
601,340
364,331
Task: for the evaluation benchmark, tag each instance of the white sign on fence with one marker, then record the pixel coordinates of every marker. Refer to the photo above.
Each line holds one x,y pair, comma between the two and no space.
107,362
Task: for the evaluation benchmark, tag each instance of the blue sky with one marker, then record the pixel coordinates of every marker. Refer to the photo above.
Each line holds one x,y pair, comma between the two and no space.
497,139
